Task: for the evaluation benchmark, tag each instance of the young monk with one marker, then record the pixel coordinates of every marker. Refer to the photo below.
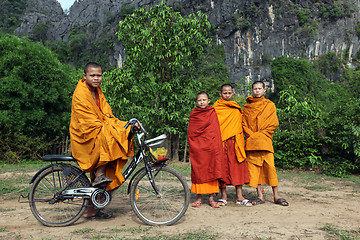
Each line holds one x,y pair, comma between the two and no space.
99,142
230,118
206,152
259,124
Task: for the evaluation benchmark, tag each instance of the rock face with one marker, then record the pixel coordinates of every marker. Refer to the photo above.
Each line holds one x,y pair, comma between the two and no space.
252,32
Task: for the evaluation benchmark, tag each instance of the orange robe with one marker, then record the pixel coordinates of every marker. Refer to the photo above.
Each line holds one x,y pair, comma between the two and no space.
230,119
259,123
205,149
97,137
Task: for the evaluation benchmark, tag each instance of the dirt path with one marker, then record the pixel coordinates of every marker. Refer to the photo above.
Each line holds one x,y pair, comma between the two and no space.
312,206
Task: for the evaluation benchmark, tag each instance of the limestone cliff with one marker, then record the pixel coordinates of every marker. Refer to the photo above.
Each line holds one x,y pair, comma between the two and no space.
252,32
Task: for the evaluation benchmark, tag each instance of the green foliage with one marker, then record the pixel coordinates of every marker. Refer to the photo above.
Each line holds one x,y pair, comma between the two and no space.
336,9
296,140
328,64
357,29
341,125
212,72
156,83
39,32
35,93
303,16
10,14
126,9
319,120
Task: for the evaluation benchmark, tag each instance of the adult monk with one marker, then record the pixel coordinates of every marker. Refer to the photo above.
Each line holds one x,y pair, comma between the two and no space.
259,124
99,142
205,149
230,119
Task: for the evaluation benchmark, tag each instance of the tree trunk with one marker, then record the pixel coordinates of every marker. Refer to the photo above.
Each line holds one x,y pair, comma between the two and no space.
175,147
185,149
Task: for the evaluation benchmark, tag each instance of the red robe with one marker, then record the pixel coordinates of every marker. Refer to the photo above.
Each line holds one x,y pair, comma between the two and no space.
205,146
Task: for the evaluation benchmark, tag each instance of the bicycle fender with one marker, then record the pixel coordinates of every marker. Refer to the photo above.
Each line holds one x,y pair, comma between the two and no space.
133,177
44,168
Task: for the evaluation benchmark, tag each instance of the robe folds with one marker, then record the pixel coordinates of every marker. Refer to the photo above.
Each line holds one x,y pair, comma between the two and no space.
97,137
205,146
259,124
230,117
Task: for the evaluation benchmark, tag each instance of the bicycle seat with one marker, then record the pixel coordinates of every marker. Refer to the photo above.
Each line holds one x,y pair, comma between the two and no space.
58,158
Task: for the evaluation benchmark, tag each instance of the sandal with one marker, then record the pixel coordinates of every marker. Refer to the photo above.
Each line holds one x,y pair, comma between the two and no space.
282,202
257,201
101,181
222,202
214,204
196,204
244,202
100,215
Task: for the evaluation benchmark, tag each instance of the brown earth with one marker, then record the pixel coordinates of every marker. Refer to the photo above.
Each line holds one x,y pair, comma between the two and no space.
313,205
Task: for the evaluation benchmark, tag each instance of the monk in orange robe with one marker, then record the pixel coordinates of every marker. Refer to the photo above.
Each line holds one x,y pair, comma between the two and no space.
230,119
259,124
99,142
205,149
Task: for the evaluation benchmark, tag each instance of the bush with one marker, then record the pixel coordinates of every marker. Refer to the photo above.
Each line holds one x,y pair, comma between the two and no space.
35,93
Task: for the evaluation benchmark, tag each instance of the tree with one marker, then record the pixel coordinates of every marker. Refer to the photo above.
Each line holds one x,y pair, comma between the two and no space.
35,93
156,83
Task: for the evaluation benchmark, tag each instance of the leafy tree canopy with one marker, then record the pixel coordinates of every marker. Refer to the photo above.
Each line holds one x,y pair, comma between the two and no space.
156,83
35,89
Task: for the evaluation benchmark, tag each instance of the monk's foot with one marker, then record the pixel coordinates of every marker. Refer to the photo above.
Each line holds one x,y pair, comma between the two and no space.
244,202
99,215
281,202
222,202
214,204
101,181
258,201
197,204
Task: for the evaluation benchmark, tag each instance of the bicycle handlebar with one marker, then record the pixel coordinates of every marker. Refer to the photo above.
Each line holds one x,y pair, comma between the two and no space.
133,121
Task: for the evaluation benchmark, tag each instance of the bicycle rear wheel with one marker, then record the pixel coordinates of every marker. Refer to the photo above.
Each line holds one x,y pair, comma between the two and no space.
46,202
169,206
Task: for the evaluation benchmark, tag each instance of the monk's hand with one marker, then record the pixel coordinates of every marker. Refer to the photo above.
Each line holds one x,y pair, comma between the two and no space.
135,128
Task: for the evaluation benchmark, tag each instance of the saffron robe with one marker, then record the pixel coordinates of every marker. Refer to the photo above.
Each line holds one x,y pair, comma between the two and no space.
205,146
97,137
230,117
260,122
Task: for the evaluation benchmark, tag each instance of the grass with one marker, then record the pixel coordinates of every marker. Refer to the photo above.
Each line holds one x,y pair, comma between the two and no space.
83,230
334,233
131,229
6,209
319,188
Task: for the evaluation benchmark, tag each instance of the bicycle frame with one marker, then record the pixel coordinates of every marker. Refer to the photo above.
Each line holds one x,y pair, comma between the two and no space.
140,156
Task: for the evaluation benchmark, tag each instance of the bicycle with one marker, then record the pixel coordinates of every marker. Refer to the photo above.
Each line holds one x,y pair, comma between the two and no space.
159,195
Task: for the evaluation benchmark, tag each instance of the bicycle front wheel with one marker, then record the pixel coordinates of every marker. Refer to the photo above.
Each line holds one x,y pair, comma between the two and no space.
46,202
167,207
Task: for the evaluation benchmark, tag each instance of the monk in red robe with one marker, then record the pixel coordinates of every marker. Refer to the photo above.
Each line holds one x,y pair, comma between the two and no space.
230,119
259,124
99,142
205,148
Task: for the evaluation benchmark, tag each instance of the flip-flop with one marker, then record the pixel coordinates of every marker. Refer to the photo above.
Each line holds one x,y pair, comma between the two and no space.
244,202
214,204
222,202
257,201
100,215
282,202
196,204
101,181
